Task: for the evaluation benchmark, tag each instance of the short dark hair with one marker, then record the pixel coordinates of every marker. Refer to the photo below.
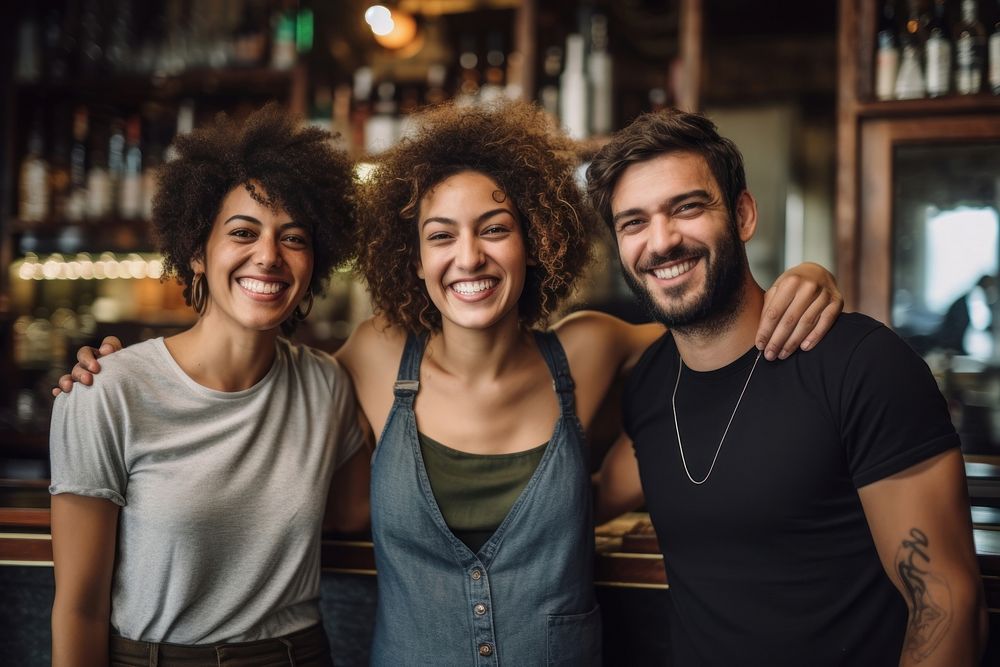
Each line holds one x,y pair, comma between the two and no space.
516,146
298,169
655,134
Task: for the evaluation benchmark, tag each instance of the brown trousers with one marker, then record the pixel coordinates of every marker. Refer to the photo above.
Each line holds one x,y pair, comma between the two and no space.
305,648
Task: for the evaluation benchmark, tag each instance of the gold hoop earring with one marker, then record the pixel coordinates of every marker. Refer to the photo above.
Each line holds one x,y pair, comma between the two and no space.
300,314
199,293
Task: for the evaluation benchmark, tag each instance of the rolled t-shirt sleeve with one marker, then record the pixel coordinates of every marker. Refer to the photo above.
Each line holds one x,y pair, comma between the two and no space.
86,449
892,414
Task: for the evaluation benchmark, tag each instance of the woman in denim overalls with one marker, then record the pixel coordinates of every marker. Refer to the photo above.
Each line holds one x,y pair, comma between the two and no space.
474,230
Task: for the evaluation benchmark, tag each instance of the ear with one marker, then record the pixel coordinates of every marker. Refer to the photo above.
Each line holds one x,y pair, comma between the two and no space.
746,216
419,268
198,265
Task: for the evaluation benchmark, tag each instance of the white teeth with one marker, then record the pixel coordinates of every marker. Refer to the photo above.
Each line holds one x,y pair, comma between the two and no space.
474,286
675,270
259,286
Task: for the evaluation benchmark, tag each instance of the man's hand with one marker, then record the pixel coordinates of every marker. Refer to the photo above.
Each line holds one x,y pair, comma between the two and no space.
87,366
799,310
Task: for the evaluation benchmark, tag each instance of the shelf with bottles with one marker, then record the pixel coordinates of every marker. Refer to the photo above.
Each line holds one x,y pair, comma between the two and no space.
930,57
127,47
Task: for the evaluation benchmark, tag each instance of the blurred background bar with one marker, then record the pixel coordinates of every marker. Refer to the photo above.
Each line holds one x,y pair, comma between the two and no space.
870,128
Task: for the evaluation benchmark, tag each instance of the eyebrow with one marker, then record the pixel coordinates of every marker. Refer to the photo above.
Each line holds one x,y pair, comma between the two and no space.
669,203
480,219
255,221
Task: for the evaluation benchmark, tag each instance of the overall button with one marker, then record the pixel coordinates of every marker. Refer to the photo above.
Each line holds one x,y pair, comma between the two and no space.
477,574
485,650
480,609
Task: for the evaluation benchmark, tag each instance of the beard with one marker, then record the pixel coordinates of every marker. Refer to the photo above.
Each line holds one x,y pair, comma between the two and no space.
715,308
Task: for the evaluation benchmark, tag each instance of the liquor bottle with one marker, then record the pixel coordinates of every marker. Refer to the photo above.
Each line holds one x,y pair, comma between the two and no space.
185,123
599,69
91,34
283,43
573,90
116,163
468,76
28,66
938,52
910,81
99,189
130,195
493,86
887,52
994,57
119,51
548,92
382,128
969,47
34,179
59,171
436,77
76,207
56,59
361,110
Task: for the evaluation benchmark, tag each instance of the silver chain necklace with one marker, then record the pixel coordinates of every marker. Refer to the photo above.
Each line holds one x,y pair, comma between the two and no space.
677,429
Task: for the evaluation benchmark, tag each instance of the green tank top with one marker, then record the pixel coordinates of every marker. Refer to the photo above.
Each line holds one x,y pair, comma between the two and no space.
476,491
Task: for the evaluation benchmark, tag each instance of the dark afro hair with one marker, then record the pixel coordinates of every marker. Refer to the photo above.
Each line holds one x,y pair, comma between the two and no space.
516,146
297,167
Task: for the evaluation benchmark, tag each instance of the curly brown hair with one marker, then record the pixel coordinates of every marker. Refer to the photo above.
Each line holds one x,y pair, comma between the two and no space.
298,169
515,145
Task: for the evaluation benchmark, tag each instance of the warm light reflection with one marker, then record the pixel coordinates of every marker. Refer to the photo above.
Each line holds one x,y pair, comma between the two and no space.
84,267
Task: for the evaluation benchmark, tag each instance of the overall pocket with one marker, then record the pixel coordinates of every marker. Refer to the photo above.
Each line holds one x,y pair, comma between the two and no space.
574,639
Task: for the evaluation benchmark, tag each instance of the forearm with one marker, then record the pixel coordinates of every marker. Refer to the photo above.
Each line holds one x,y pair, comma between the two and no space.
952,634
79,637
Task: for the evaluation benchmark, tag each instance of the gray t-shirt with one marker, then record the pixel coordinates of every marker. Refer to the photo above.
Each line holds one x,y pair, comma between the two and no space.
222,493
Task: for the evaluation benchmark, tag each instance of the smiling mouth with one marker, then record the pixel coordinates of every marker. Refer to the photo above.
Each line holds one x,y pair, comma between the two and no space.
469,287
674,270
261,286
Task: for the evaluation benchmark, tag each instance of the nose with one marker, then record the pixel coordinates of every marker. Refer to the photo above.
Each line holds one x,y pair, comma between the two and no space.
469,252
267,252
663,234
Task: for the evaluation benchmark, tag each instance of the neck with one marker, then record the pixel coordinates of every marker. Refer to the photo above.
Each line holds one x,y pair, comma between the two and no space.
224,361
478,353
707,349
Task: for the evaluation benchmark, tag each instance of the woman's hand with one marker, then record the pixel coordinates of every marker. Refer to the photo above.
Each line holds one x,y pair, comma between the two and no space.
87,367
799,310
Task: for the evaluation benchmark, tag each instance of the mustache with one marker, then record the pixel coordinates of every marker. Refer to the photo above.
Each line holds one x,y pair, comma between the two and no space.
675,254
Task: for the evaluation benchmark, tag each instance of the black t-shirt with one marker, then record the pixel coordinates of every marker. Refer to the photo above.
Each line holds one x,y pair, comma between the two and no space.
770,561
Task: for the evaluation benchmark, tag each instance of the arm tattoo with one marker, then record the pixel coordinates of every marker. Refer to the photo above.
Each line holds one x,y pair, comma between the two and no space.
927,595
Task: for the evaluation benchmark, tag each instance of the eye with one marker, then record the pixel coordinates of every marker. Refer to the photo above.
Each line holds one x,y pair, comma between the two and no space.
438,236
242,233
296,241
494,230
690,208
629,224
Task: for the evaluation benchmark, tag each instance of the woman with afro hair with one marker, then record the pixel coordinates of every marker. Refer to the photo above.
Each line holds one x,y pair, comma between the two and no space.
189,485
472,233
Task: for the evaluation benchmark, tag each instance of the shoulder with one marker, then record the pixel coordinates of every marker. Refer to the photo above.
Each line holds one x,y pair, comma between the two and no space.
373,345
592,336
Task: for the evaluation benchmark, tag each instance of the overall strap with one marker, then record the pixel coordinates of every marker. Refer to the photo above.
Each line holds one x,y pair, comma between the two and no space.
555,359
408,378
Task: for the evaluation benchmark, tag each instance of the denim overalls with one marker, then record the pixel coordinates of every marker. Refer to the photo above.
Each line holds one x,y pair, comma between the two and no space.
527,597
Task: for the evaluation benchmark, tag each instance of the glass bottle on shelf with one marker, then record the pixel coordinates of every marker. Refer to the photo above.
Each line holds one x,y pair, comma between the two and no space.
910,78
60,185
573,89
886,52
130,193
34,179
76,207
98,180
437,74
969,47
994,60
361,110
116,163
548,92
493,87
382,128
468,77
599,68
938,52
